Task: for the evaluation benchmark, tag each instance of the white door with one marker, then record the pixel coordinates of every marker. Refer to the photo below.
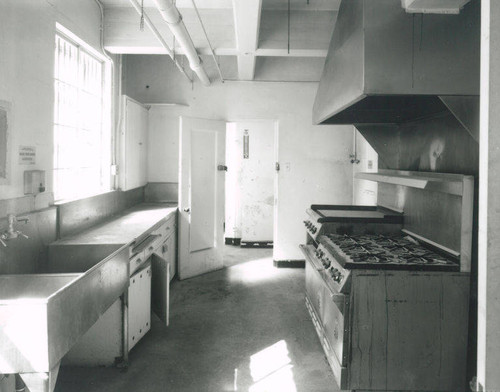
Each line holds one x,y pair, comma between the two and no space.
201,196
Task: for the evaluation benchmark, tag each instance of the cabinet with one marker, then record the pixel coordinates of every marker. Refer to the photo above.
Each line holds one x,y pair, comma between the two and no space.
132,169
152,259
139,305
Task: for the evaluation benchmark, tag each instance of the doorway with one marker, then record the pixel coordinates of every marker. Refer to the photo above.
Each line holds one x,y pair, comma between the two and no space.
250,183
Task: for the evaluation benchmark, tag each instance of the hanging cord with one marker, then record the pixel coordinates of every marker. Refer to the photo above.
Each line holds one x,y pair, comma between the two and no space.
413,52
288,26
173,35
141,23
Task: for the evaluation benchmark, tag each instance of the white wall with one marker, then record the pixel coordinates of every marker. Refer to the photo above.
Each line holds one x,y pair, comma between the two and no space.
250,182
27,31
163,146
317,156
364,191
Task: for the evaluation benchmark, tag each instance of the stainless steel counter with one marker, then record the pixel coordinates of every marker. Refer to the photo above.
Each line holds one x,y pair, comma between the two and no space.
124,228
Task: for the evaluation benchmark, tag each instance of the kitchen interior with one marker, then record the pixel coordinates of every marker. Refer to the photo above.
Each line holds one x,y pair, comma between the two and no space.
142,142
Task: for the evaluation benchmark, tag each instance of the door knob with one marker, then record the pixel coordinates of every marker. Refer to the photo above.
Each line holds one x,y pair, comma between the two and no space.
187,209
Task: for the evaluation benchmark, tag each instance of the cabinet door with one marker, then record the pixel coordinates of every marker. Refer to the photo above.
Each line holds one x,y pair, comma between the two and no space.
170,253
139,305
133,162
160,286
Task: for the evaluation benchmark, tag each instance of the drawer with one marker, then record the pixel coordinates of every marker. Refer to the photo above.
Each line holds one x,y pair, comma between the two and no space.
153,245
167,227
136,261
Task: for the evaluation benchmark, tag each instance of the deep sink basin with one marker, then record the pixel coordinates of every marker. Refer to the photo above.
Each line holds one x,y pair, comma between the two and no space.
32,288
42,316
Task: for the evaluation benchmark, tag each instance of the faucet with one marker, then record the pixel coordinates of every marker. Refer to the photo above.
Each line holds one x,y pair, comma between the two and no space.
12,233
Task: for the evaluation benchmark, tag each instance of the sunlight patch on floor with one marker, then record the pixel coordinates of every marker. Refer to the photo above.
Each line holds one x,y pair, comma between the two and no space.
254,271
271,369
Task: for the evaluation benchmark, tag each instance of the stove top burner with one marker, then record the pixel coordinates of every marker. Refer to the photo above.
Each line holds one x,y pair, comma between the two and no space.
368,251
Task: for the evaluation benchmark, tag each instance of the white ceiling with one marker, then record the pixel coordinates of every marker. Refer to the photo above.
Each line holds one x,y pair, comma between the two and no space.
250,37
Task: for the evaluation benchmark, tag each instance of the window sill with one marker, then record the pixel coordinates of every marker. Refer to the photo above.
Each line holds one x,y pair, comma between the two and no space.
66,201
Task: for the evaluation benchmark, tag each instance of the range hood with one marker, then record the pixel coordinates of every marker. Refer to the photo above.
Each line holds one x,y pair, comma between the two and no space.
386,66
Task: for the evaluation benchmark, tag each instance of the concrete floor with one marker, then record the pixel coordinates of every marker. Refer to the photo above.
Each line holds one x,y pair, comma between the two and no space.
243,328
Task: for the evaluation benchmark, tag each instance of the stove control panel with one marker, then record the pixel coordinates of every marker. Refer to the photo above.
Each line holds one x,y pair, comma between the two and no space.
313,228
333,271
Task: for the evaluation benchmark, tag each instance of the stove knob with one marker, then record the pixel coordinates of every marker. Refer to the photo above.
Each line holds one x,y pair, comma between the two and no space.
314,229
305,223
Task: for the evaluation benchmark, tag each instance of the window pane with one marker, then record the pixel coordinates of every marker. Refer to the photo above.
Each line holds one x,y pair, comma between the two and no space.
80,167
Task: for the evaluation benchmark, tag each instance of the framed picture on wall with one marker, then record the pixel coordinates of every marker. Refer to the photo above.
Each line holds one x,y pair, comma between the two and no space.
5,131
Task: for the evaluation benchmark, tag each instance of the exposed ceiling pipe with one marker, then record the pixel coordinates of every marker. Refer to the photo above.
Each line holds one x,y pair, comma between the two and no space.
158,36
208,41
171,15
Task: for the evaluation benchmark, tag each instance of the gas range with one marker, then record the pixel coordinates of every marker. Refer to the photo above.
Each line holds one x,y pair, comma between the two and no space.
345,219
390,252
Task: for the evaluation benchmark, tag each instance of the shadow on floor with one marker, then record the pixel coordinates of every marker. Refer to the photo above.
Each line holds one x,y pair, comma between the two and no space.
243,328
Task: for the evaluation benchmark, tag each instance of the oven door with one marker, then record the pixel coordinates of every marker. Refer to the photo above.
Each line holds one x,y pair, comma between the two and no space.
329,313
336,334
315,286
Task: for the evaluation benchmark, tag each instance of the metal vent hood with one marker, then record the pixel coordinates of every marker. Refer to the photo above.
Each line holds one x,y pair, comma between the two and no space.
385,66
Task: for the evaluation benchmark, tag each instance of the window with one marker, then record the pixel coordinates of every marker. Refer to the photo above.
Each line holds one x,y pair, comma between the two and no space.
82,135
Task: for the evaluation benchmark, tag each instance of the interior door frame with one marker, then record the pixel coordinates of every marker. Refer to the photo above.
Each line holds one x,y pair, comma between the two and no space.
276,172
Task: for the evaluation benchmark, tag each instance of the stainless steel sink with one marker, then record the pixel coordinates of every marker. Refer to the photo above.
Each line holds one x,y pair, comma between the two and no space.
32,288
42,316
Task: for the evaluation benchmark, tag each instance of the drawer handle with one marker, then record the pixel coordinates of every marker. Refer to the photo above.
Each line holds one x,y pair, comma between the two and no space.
150,248
138,261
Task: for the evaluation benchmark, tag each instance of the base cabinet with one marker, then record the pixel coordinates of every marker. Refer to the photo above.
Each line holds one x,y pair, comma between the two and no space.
139,305
151,265
394,330
102,345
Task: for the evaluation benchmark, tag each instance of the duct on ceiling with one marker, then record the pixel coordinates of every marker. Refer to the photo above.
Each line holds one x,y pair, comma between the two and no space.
171,15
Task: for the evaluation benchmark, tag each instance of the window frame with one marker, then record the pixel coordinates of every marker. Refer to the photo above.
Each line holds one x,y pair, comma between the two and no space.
106,136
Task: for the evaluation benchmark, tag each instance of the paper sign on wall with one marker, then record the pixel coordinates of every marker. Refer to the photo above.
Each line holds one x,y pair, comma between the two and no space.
27,155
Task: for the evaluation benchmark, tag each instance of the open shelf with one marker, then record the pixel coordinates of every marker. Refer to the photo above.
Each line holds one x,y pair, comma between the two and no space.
438,182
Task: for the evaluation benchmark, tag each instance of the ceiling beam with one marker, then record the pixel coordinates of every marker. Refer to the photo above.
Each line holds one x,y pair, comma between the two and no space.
138,49
246,24
270,52
261,52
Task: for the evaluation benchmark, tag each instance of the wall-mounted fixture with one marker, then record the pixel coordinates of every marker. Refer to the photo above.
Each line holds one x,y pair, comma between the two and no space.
246,145
34,182
354,156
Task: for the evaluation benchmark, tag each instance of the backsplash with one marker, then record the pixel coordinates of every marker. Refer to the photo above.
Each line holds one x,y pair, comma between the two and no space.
438,144
48,223
28,255
81,214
